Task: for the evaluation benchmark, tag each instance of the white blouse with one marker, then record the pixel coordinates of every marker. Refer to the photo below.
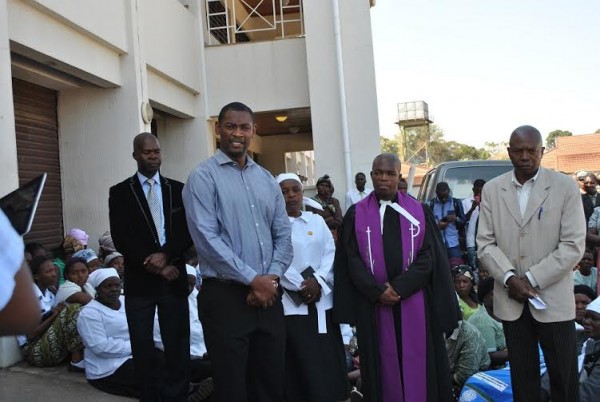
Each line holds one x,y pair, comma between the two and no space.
313,247
68,289
105,335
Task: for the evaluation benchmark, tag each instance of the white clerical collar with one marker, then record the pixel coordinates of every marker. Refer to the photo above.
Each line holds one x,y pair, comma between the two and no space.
385,203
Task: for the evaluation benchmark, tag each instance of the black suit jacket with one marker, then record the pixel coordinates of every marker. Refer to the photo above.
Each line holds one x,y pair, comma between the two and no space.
588,205
134,234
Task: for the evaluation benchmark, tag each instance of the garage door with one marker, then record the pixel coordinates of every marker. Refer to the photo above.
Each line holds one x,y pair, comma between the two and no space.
36,125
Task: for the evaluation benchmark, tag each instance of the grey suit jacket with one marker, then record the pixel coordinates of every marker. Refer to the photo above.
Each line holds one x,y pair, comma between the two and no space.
548,241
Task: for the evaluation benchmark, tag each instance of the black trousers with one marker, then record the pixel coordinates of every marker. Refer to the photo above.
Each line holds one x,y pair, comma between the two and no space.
200,369
558,342
122,382
157,382
246,345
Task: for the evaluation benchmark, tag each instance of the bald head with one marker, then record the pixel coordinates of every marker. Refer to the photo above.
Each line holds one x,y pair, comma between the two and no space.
390,158
529,133
525,150
385,175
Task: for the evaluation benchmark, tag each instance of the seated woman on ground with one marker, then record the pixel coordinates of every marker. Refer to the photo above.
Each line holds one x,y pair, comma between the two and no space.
467,354
105,334
75,289
584,295
585,273
490,327
117,261
589,380
56,337
69,246
91,259
464,287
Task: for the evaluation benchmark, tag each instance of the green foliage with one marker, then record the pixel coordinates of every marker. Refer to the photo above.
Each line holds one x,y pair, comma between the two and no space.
551,138
389,145
427,145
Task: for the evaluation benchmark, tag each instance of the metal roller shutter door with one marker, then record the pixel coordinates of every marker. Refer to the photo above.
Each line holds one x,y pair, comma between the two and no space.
36,124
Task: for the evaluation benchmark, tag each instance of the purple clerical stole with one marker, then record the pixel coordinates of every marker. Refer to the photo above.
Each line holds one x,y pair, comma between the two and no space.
411,386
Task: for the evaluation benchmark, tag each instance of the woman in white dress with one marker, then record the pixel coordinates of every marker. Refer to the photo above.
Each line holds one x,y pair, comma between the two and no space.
315,355
102,325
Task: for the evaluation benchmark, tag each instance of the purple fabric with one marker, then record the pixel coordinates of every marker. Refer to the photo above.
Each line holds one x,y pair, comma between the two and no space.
412,387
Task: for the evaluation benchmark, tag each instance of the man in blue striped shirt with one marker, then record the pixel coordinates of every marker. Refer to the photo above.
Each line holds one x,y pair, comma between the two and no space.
237,219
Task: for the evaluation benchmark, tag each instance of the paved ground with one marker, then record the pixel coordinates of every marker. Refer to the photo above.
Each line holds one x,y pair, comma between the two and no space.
32,384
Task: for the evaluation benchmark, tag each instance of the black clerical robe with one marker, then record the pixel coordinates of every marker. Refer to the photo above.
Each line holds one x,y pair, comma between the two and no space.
356,294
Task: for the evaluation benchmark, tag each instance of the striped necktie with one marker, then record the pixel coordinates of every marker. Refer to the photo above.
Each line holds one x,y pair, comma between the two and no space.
154,205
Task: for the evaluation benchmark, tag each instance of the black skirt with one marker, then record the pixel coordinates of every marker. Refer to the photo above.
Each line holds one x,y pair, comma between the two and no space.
315,363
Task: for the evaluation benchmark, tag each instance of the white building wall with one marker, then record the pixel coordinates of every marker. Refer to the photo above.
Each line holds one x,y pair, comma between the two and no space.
359,81
96,128
122,53
265,75
42,35
8,139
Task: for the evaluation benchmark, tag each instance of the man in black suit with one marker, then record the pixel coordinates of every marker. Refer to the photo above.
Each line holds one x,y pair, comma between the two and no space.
148,226
590,199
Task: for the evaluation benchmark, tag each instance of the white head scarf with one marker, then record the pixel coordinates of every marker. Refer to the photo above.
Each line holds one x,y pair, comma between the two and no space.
305,200
288,176
111,257
100,275
594,306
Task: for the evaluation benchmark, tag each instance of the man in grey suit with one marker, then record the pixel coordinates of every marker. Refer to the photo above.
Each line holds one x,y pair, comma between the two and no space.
531,234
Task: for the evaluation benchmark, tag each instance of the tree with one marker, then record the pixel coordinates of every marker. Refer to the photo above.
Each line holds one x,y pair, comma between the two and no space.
551,138
389,145
427,145
494,148
597,131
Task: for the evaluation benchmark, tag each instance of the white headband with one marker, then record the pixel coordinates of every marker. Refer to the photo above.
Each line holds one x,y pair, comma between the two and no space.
100,275
288,176
594,306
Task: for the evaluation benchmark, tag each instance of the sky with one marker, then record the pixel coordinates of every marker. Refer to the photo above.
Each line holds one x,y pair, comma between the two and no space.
486,67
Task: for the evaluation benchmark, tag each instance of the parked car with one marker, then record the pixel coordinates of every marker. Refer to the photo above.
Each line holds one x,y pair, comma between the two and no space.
460,176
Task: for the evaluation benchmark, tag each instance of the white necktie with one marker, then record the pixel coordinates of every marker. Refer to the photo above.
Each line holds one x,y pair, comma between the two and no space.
154,205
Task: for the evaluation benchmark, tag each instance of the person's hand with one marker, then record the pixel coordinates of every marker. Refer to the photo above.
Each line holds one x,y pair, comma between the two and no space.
389,297
264,290
310,291
443,225
520,289
155,262
251,299
451,218
170,273
58,308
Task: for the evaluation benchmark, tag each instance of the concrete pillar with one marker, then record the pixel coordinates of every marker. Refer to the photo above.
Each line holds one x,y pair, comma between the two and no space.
359,82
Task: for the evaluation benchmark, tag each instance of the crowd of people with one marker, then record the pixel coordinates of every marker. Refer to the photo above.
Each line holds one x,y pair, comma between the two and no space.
236,287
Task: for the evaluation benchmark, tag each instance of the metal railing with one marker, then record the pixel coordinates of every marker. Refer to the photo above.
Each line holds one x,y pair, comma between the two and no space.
234,21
